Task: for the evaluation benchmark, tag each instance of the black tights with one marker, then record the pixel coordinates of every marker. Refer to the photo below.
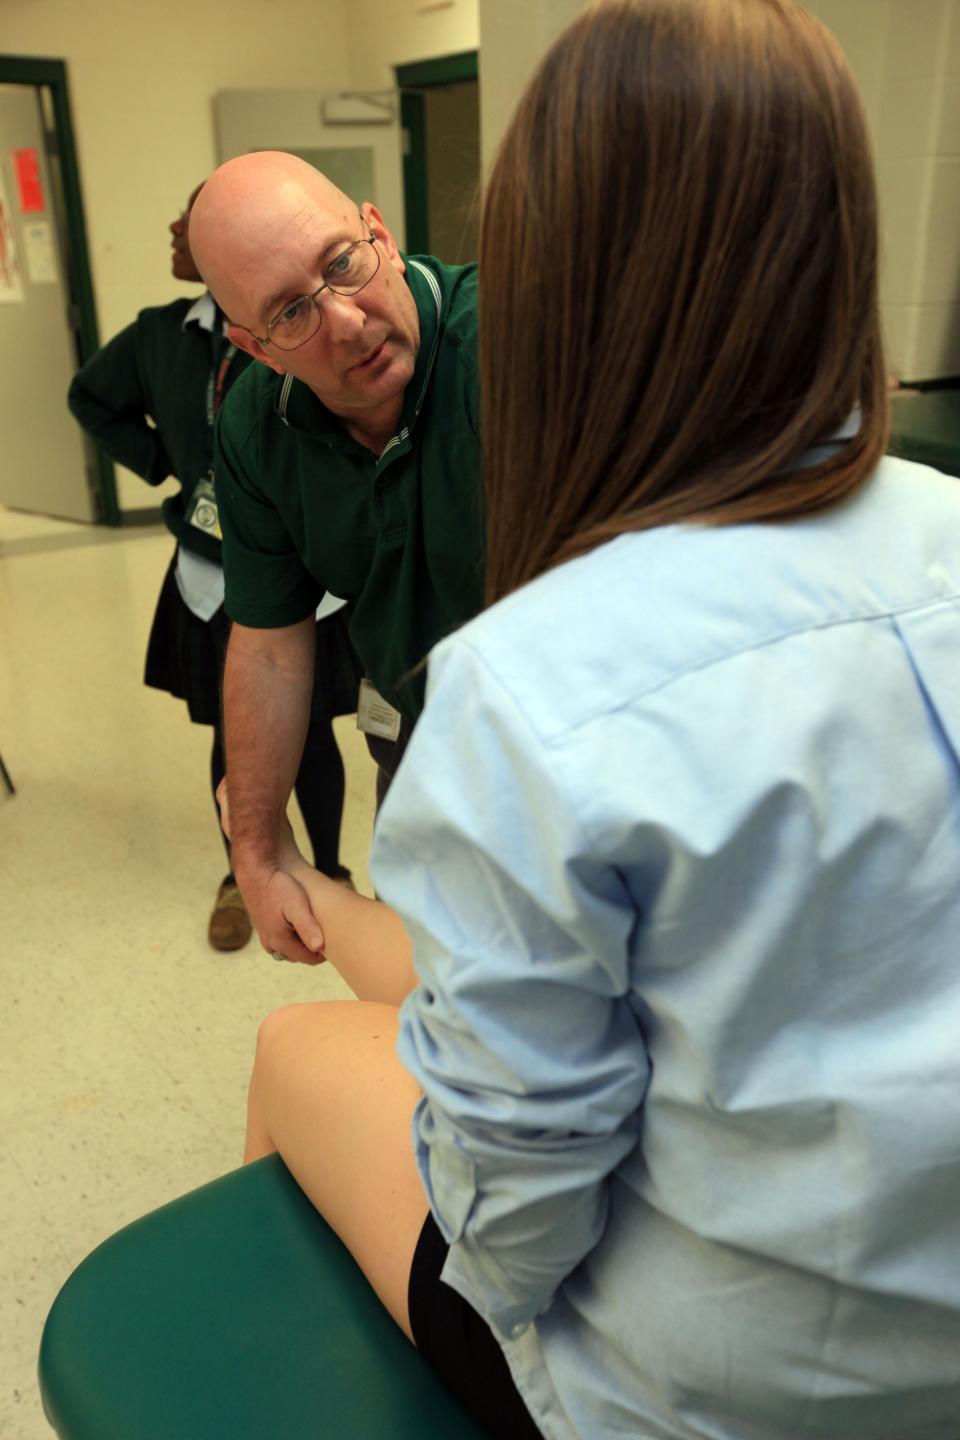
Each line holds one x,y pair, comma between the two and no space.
319,788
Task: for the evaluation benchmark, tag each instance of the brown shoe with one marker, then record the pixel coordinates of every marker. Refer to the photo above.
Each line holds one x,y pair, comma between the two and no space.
230,926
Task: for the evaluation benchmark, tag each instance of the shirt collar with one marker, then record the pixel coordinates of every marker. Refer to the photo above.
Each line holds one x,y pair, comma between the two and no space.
427,293
822,451
203,312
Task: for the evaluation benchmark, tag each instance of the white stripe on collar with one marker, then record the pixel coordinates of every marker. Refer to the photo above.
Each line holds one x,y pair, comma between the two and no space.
434,285
432,281
283,399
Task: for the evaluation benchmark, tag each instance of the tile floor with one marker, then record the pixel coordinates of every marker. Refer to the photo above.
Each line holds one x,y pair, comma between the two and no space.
125,1042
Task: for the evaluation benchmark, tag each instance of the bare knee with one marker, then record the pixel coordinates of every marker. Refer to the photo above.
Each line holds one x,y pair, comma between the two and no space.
273,1042
310,1024
277,1024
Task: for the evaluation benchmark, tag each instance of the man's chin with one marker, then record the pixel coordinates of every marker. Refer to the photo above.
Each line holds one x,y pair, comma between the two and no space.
387,373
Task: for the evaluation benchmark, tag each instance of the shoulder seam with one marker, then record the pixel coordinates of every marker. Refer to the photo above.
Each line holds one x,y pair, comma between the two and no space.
266,397
665,681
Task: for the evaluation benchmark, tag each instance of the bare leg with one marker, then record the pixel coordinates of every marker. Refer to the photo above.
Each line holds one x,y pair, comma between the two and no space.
329,1094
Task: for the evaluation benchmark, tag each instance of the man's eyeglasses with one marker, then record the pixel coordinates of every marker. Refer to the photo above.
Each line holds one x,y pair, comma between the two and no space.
300,320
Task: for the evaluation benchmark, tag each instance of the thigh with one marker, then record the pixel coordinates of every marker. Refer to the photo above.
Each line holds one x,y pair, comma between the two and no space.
329,1093
460,1346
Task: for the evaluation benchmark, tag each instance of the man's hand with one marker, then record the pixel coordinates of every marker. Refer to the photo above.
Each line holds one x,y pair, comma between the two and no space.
278,900
277,903
280,909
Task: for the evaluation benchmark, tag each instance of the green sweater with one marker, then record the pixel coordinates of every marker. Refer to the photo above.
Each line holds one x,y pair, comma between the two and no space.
305,509
155,368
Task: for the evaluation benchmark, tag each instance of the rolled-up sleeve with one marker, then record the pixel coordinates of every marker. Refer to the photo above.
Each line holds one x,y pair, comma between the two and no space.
532,1063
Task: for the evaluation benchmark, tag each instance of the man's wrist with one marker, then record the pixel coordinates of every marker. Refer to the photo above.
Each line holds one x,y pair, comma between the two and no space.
252,864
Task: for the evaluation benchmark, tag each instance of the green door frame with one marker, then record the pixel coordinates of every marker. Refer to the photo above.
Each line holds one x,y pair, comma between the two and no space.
37,71
412,80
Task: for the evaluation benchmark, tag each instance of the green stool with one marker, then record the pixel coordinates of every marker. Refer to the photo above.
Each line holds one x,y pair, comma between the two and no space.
926,426
234,1313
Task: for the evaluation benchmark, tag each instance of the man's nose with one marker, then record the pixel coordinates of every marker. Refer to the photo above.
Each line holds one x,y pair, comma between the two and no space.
342,317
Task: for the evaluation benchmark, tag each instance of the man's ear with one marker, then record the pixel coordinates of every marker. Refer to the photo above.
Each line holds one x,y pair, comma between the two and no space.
377,224
251,346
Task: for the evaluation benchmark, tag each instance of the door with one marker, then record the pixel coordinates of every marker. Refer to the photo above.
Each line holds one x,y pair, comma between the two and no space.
441,155
45,464
353,138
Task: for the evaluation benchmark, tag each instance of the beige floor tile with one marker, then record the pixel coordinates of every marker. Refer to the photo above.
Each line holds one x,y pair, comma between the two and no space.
125,1041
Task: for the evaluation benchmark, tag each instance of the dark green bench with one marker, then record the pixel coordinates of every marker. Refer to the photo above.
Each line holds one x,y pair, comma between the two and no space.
926,427
234,1313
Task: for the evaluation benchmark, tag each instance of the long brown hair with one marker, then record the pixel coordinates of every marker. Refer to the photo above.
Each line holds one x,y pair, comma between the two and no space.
678,278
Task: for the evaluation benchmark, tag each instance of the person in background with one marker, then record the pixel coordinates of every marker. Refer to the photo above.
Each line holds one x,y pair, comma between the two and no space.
149,398
348,459
673,851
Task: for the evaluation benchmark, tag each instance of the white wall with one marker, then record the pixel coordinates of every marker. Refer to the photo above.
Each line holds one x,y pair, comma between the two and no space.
906,56
514,34
385,33
142,77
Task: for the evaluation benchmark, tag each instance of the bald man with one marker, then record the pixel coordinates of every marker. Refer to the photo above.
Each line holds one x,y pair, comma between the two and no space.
347,460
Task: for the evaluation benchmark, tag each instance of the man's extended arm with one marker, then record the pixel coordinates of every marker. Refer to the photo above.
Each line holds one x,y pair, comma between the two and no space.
267,687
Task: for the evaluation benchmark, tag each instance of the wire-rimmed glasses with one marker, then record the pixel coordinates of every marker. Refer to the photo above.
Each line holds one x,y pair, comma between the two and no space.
300,319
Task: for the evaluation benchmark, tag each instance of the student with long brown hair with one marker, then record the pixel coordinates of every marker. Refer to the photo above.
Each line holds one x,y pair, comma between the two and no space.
678,1039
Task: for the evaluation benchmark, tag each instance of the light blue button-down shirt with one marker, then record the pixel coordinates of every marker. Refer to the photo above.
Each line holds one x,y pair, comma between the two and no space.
677,840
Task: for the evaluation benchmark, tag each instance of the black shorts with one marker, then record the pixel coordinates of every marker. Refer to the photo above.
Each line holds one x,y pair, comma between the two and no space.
461,1347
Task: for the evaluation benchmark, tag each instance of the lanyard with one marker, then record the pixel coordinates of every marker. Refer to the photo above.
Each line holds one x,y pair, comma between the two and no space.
218,374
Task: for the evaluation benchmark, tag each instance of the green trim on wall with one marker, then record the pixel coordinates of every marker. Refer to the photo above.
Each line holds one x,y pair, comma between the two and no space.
446,70
413,120
37,71
422,75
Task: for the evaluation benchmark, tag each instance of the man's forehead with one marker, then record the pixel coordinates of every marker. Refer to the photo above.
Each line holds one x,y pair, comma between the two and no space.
295,244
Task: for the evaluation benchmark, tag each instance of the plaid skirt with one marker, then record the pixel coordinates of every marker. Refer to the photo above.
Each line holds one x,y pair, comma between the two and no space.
185,657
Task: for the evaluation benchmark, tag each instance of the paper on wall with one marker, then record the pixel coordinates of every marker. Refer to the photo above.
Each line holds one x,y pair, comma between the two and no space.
11,285
38,249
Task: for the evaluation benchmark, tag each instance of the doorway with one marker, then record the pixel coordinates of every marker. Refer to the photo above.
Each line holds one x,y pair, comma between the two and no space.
440,113
47,312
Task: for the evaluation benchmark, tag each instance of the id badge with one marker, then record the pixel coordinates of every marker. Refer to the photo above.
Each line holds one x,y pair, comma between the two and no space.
203,511
374,715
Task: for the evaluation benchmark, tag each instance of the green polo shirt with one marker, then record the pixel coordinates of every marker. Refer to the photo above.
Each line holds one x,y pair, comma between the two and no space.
304,508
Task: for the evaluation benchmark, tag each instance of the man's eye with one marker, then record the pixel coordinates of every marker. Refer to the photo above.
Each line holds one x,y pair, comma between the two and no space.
342,265
290,312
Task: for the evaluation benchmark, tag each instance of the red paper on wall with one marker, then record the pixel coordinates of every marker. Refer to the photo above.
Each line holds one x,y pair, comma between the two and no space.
29,182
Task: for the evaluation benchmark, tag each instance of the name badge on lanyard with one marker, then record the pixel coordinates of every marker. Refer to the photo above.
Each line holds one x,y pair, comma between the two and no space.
203,513
374,715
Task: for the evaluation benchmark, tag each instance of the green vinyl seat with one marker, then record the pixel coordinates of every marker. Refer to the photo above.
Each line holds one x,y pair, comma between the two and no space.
234,1313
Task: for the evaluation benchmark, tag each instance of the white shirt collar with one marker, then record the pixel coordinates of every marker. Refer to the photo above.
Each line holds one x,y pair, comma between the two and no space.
203,312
